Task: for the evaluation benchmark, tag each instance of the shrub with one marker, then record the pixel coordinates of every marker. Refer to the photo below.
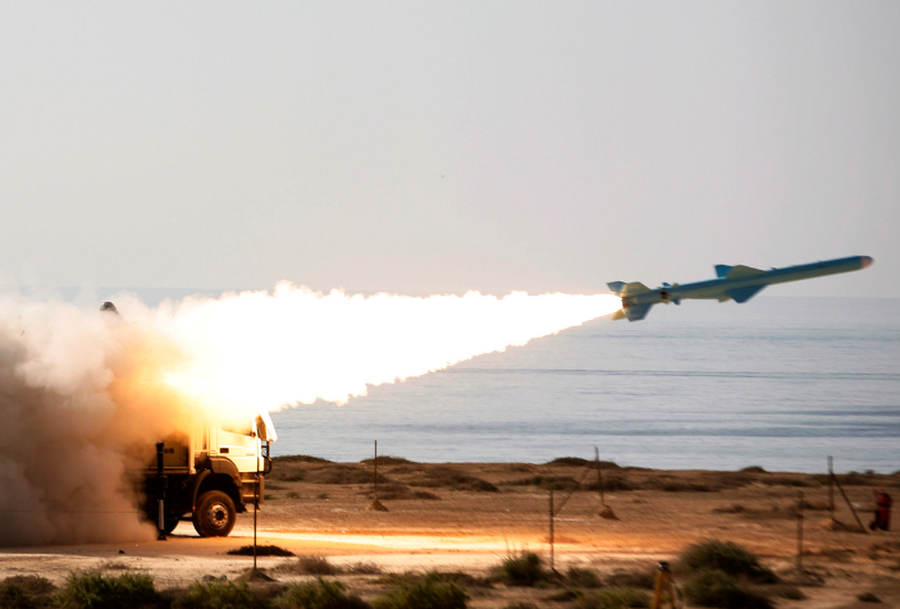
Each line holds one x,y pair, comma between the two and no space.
341,474
310,565
455,577
319,594
868,597
645,579
570,461
396,490
550,483
681,486
388,460
290,471
731,480
298,459
789,592
727,557
430,591
525,569
858,479
579,462
611,484
448,477
753,469
792,481
362,568
582,578
25,592
93,590
716,588
219,595
614,598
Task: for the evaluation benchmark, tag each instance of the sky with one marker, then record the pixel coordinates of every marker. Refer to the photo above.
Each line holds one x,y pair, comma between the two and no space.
441,147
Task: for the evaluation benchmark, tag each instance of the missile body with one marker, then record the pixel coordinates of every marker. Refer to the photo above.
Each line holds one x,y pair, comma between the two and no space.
739,283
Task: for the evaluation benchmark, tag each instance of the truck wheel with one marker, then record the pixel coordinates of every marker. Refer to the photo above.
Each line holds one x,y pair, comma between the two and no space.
215,514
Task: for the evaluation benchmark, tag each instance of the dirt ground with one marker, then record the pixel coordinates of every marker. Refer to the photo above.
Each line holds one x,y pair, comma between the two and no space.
470,517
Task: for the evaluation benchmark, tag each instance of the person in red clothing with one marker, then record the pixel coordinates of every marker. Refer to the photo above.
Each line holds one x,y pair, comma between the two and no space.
882,511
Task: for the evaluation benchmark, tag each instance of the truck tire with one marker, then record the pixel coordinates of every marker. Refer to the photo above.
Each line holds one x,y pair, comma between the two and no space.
215,514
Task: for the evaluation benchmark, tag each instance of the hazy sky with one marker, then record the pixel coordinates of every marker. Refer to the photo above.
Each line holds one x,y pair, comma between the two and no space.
425,147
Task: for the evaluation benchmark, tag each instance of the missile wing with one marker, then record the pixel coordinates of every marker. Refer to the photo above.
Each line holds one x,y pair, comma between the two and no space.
739,283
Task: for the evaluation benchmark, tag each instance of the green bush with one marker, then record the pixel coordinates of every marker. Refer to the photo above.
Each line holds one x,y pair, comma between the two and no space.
94,590
525,569
25,592
431,591
715,588
220,595
727,557
614,598
319,594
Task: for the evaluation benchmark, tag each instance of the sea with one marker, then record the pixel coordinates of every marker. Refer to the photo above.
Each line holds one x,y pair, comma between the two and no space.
780,383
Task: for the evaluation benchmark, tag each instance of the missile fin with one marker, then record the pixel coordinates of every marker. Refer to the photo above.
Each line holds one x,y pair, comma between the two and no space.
741,272
722,270
637,312
636,287
616,286
744,294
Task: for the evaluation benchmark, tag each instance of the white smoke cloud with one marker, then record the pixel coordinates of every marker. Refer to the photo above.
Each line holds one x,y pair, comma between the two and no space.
296,346
84,396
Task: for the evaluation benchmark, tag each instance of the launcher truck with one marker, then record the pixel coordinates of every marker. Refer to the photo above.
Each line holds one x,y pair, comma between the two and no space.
209,476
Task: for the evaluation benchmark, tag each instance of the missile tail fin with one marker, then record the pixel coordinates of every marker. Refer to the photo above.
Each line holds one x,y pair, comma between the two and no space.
742,272
616,286
637,312
744,294
633,288
722,270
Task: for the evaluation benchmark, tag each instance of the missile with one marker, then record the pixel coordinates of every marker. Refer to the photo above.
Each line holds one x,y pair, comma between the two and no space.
738,283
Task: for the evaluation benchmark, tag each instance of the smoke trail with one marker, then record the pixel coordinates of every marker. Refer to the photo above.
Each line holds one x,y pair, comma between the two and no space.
254,351
84,396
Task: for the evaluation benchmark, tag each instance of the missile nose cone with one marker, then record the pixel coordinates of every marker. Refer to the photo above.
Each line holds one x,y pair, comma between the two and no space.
866,261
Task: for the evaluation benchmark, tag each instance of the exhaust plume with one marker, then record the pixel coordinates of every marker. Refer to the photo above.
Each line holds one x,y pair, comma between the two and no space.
84,395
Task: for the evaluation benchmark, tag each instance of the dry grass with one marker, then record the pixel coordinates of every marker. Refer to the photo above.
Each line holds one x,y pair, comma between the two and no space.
443,476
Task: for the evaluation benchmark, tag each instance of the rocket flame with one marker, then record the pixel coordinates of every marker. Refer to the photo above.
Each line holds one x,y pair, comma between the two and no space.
254,351
85,395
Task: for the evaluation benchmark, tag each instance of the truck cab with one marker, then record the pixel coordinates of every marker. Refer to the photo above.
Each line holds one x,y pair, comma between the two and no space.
209,475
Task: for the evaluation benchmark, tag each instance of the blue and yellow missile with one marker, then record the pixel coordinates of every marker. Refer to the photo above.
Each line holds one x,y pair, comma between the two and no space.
738,283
